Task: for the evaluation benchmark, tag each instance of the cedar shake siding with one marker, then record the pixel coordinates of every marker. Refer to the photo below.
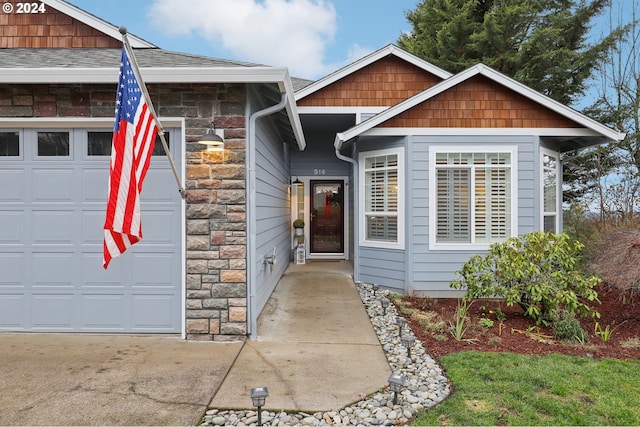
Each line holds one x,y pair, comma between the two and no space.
382,84
479,103
52,29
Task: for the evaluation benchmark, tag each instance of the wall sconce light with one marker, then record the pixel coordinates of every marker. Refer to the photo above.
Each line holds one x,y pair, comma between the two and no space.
297,182
212,140
259,397
396,381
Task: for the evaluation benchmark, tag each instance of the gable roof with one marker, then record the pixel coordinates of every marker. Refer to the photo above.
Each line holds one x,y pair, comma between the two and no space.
95,22
368,60
596,132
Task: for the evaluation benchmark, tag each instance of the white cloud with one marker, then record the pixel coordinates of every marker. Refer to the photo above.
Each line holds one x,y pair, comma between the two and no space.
291,33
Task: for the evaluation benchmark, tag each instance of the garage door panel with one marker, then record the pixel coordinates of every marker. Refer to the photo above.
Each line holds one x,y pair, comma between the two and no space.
53,227
52,311
53,185
12,231
12,270
52,270
152,312
12,188
12,308
159,185
158,228
153,270
103,311
92,228
96,277
92,181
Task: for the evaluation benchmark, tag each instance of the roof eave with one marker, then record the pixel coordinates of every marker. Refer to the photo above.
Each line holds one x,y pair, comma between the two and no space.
149,75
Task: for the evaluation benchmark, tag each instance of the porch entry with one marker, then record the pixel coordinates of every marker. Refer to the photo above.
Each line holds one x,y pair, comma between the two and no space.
326,231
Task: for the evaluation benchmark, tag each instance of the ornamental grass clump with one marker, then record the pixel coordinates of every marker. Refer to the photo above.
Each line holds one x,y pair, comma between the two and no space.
538,271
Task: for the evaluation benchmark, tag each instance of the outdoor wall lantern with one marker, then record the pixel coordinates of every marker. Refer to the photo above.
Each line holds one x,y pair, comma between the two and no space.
258,397
297,182
401,322
212,140
385,303
407,342
396,381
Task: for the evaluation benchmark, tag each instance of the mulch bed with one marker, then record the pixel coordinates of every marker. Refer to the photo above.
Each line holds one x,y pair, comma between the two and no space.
518,334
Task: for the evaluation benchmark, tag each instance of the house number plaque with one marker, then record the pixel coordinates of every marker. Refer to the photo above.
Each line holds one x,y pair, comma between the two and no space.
319,172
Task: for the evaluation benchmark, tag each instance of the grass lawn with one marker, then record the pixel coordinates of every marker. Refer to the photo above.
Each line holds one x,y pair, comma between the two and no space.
511,389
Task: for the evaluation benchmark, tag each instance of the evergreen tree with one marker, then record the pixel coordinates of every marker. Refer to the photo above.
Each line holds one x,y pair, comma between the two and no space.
541,43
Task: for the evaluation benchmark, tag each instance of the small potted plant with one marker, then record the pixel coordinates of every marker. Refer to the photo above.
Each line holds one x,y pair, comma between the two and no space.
298,224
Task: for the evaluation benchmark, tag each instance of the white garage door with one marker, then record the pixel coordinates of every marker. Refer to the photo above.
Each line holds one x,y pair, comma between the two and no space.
53,188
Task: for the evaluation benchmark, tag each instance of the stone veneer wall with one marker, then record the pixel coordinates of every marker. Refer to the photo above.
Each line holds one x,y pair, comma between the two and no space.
216,243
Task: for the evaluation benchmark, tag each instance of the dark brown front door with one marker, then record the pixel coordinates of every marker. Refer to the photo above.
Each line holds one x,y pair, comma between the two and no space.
327,217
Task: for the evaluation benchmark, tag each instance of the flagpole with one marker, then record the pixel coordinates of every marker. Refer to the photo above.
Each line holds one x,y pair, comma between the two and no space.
143,87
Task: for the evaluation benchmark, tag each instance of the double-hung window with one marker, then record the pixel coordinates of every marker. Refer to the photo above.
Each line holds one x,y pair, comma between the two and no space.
381,202
550,191
472,196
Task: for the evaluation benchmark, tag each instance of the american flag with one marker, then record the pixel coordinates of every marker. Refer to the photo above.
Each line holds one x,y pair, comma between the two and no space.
134,135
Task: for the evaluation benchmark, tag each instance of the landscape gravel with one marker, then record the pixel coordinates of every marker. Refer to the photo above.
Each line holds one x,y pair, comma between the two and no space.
425,383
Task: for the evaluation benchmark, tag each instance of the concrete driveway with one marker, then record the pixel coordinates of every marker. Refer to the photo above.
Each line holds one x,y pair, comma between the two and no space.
60,379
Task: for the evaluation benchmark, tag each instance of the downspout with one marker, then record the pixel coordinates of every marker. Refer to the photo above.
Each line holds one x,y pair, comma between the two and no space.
252,314
356,206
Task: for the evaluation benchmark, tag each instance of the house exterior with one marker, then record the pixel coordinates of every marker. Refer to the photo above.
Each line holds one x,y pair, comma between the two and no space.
394,165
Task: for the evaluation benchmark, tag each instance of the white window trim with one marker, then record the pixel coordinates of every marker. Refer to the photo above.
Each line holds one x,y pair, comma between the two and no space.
556,155
455,148
399,151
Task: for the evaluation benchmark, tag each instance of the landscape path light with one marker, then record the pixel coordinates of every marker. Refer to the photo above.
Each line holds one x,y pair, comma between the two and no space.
408,341
385,303
396,381
401,322
258,397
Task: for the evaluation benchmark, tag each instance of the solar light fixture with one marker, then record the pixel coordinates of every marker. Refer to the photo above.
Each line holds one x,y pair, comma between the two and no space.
385,303
396,381
401,322
258,397
407,342
375,289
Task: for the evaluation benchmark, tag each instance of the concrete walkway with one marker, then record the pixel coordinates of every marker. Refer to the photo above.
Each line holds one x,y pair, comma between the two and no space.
316,349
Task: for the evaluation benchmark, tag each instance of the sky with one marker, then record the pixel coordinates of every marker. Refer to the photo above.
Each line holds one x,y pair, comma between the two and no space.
311,37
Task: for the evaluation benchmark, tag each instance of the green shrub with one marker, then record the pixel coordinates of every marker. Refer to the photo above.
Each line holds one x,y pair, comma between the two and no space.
538,271
567,328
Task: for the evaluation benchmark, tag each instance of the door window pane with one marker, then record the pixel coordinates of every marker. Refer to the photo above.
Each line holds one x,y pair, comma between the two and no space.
53,144
99,143
9,144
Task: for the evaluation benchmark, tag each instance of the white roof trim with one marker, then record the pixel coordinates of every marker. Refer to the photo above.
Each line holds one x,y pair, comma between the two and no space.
481,69
95,22
559,132
367,60
149,75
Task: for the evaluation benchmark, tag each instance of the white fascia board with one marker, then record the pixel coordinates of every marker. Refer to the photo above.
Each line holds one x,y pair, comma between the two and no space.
75,122
149,75
340,110
95,22
286,86
552,132
367,60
